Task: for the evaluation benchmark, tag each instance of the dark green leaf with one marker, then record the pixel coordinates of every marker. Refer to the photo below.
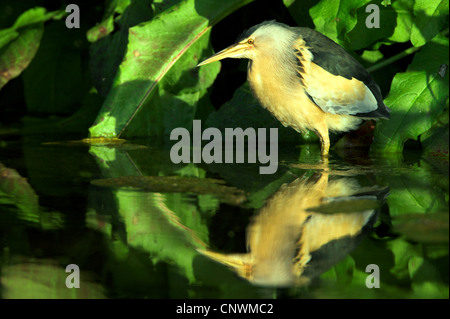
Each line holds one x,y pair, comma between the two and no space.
54,82
416,192
361,36
427,280
299,11
337,18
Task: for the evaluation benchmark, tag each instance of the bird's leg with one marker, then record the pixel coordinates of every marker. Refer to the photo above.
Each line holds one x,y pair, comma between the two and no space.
325,147
324,142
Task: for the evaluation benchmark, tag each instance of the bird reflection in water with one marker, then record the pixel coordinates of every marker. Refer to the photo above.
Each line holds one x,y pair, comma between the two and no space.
290,243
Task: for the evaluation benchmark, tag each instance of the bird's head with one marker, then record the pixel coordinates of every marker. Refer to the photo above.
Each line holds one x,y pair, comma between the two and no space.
264,39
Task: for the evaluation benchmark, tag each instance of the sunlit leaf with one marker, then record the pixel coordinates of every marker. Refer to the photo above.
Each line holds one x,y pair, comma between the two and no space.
404,20
19,44
108,49
106,26
403,251
336,18
371,56
417,98
430,17
103,141
156,48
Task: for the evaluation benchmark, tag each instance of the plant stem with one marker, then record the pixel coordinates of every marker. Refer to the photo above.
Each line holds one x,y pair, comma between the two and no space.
392,59
399,56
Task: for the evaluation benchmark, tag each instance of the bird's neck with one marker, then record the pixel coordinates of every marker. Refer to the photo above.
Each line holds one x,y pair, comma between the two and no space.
270,74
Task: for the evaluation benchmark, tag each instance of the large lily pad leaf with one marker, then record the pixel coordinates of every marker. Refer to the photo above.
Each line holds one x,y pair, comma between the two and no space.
154,49
417,98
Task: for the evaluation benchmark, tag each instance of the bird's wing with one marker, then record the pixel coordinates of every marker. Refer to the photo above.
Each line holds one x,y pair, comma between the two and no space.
334,80
337,95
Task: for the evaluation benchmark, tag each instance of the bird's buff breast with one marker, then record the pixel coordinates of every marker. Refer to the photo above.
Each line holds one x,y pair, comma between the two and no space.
284,98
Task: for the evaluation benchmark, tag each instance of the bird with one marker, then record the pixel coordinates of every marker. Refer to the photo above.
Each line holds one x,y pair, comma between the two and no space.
303,229
306,80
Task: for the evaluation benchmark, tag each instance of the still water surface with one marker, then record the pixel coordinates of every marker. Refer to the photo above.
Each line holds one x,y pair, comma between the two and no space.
137,225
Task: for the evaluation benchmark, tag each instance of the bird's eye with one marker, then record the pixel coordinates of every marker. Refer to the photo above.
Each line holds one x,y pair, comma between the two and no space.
250,41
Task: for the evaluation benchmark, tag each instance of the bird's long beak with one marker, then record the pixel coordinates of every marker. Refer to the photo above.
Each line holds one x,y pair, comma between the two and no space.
240,263
233,51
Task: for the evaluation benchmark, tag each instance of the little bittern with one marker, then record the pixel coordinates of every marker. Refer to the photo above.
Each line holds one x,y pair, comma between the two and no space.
306,80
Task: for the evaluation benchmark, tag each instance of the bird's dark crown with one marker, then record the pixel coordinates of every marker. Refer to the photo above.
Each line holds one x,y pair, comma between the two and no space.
251,30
